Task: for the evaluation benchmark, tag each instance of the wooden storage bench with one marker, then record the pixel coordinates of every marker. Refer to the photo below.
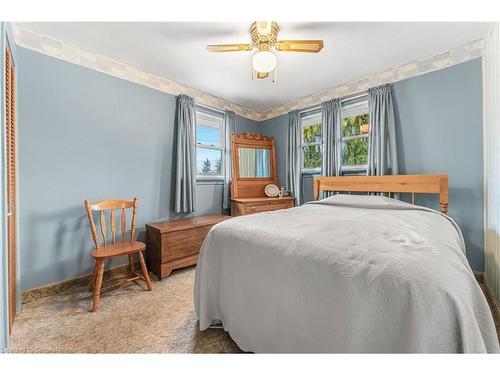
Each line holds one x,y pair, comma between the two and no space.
176,244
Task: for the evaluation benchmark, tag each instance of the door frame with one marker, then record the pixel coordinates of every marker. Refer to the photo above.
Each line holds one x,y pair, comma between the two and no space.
7,40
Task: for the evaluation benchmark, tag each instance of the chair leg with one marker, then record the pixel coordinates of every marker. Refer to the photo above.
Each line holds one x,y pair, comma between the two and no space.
131,263
98,284
145,271
92,278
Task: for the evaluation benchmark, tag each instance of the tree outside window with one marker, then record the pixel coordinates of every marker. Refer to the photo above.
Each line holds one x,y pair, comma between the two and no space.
353,139
209,144
312,142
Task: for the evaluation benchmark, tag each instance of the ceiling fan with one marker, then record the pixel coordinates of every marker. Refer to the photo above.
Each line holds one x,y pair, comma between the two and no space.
264,36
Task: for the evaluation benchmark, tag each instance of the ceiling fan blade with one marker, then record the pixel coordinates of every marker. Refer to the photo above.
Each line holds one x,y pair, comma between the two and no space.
229,47
299,45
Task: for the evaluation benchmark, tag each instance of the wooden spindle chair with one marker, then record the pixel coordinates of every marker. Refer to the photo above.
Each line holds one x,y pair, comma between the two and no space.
115,248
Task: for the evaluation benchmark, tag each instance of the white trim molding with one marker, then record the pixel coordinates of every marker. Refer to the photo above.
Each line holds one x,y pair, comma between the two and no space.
4,280
491,134
47,45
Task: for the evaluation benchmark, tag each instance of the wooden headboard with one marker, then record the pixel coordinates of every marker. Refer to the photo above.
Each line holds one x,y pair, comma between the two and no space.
414,184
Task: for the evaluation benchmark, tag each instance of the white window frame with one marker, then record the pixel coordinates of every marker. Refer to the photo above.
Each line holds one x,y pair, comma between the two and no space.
215,121
306,121
350,110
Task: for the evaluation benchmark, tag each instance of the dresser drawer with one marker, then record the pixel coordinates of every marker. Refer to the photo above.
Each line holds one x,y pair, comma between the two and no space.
254,208
265,203
248,206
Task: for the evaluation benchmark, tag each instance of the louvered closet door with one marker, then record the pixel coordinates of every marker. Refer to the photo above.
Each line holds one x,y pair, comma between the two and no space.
10,106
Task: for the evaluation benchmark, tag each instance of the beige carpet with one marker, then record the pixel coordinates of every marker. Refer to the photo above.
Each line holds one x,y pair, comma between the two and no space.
129,320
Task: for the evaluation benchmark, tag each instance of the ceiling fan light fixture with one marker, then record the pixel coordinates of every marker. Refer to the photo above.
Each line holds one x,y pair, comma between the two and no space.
264,37
264,61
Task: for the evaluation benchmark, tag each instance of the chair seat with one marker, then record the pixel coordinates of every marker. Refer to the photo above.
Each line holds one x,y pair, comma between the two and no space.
117,249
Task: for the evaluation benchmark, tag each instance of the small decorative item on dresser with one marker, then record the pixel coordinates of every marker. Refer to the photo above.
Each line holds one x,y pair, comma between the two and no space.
176,244
271,190
284,192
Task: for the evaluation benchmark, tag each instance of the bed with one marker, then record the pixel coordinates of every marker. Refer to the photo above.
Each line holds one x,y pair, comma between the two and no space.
346,274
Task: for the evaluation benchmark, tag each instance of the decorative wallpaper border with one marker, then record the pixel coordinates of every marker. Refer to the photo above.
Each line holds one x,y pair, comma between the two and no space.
58,49
63,51
429,64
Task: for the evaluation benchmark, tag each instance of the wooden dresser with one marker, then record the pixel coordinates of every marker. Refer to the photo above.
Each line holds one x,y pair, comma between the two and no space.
253,161
247,206
176,244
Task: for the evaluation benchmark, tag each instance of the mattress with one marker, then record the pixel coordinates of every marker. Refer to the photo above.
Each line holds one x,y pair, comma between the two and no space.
347,274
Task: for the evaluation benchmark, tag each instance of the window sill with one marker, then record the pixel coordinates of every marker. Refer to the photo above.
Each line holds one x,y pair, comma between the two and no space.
345,172
349,171
311,171
209,178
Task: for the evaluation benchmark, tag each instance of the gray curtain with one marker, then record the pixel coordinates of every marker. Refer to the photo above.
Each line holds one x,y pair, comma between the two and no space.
382,153
229,128
185,178
330,116
293,153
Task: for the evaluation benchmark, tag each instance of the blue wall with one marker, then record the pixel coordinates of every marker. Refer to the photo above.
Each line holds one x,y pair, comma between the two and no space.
439,123
440,127
276,127
87,135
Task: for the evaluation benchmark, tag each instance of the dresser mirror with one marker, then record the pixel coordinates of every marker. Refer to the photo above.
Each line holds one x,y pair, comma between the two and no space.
253,158
254,162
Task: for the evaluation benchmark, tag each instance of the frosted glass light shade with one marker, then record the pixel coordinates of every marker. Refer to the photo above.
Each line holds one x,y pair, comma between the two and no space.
264,62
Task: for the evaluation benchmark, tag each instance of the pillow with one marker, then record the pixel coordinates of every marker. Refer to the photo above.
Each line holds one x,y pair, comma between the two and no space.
365,201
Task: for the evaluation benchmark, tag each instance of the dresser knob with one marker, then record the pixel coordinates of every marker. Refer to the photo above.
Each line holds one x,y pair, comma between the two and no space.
253,209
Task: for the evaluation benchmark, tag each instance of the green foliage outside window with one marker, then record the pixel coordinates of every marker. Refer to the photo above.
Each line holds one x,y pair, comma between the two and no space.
352,125
206,168
355,151
312,153
312,157
312,133
218,167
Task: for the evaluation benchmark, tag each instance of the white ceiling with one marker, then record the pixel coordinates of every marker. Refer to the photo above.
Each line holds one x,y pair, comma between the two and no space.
176,51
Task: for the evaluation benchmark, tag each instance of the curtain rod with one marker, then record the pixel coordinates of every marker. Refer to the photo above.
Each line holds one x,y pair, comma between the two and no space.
344,99
210,108
354,96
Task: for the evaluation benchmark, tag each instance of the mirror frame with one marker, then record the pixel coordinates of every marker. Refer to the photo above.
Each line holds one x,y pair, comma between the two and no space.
251,187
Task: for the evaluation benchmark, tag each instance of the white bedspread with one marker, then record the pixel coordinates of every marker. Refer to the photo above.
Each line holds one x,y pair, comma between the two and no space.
345,274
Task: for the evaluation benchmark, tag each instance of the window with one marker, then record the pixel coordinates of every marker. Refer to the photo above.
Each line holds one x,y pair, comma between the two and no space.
354,137
311,142
209,145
